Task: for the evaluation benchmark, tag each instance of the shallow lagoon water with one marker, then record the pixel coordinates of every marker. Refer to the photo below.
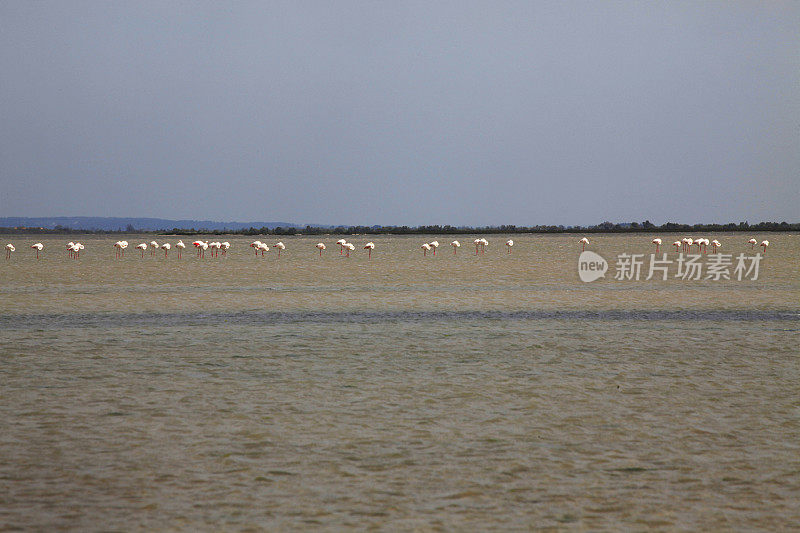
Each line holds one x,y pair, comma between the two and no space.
402,392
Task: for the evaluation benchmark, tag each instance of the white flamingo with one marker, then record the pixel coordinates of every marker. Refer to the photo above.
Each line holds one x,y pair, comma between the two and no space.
425,248
434,245
263,248
154,245
341,243
142,246
657,242
166,246
477,243
677,245
456,245
484,244
180,246
256,246
70,244
369,246
714,245
752,243
38,246
764,243
9,248
584,242
280,246
225,245
350,247
509,243
320,247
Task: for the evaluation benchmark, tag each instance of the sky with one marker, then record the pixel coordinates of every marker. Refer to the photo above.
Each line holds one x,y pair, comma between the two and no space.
401,113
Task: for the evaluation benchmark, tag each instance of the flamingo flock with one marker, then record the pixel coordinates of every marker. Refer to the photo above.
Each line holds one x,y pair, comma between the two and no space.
345,248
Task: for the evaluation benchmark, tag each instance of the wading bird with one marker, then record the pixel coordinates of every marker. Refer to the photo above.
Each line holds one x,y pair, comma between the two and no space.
154,245
350,247
584,242
434,245
425,247
764,243
166,246
509,243
714,245
142,247
657,242
456,245
752,243
280,246
677,245
38,246
180,246
341,243
369,246
320,247
9,248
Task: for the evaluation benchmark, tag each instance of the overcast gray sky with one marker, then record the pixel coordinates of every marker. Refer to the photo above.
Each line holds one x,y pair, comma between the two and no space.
401,112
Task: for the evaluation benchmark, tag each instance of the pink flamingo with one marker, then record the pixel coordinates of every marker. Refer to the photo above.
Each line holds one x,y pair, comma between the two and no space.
714,245
509,243
677,245
764,243
350,247
280,246
341,243
456,245
180,246
38,247
434,245
584,242
752,243
425,247
657,242
320,247
369,246
9,248
166,248
142,247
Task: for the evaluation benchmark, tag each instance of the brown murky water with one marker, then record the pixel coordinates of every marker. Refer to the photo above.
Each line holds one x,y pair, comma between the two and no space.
404,392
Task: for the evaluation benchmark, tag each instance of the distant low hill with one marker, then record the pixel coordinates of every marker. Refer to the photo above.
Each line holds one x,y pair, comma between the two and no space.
143,224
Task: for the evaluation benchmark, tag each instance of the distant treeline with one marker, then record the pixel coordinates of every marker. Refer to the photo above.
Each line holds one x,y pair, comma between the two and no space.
605,227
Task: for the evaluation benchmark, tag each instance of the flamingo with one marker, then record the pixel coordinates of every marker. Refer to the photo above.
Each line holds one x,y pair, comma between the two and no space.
263,247
225,245
142,247
764,243
701,242
341,243
77,247
199,246
165,247
38,247
484,244
509,243
203,248
425,247
320,247
369,246
434,245
657,242
280,246
714,245
256,245
154,245
687,244
752,243
119,245
477,243
677,244
456,245
9,248
70,244
350,247
180,246
215,247
584,242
